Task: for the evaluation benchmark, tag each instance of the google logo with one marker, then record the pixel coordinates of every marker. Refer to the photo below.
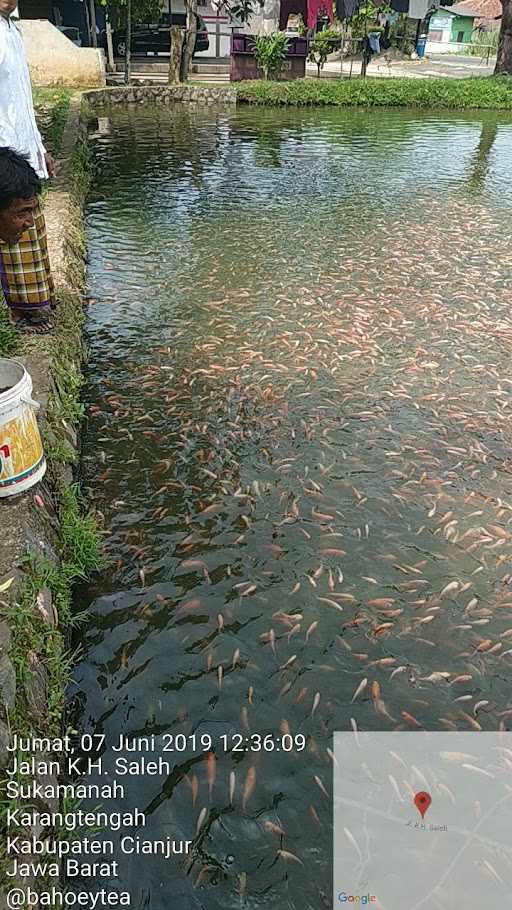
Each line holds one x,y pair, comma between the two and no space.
362,899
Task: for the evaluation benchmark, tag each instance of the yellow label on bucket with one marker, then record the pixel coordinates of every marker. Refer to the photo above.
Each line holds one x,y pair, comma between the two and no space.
21,451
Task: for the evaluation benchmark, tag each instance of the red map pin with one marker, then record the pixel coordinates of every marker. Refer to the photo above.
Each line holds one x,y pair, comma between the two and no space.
422,802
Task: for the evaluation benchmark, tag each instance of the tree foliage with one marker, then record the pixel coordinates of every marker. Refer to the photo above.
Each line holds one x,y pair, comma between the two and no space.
323,44
142,11
240,10
365,20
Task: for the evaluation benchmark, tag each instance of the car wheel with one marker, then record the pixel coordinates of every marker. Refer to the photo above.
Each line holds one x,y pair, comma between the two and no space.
121,48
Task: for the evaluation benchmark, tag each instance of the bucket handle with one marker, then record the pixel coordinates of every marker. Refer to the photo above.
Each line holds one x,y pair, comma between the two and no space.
31,403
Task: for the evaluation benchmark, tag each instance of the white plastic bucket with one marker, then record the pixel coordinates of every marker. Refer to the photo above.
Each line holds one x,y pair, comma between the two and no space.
22,461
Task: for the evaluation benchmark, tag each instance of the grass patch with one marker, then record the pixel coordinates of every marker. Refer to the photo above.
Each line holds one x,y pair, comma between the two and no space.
39,652
486,93
66,404
60,452
35,642
52,109
80,540
9,338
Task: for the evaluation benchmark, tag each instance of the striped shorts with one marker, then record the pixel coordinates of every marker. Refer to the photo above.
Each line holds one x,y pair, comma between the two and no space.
25,273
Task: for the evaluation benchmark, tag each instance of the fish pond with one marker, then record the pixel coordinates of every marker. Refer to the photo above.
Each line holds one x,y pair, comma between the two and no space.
299,441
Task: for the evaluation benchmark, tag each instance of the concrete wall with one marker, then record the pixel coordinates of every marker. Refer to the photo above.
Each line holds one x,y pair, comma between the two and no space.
55,60
445,47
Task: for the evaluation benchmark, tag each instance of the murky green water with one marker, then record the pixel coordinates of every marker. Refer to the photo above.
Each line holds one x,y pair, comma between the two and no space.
299,438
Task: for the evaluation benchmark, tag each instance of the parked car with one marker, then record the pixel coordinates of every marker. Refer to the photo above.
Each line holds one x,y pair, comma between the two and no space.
72,33
156,39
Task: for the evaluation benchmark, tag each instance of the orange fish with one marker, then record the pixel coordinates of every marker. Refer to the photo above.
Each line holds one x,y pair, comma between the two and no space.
211,771
250,783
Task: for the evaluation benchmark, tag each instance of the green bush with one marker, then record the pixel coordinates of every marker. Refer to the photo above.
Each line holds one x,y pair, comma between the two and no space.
270,52
491,93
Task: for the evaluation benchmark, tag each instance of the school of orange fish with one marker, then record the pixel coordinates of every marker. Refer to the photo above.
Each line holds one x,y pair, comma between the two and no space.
308,491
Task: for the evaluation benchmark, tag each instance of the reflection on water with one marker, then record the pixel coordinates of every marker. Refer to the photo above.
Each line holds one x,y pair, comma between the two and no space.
299,437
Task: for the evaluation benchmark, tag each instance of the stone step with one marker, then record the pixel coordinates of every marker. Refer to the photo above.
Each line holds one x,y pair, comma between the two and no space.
161,79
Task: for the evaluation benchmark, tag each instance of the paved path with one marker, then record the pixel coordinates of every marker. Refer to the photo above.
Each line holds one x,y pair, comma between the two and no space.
436,65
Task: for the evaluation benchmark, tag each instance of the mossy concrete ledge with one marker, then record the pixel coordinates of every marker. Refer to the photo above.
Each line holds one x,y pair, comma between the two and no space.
39,555
162,94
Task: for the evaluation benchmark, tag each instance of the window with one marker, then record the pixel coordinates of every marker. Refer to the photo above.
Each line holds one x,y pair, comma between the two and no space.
460,38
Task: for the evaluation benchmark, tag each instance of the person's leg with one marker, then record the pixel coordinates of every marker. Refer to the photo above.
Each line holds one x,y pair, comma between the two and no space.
26,278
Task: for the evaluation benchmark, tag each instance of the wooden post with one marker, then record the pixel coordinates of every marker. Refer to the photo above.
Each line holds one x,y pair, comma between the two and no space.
217,35
364,63
94,36
128,53
176,54
111,66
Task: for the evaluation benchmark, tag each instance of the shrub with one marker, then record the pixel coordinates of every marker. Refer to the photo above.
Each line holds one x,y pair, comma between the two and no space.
270,52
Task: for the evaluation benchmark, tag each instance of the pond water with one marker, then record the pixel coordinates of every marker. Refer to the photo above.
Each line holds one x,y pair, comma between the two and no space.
299,438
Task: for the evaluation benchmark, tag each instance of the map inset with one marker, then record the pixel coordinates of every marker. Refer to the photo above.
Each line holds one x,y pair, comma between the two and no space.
423,820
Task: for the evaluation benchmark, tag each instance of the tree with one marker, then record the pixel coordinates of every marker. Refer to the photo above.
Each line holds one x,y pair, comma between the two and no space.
189,42
323,44
143,11
504,61
124,14
235,9
92,14
176,54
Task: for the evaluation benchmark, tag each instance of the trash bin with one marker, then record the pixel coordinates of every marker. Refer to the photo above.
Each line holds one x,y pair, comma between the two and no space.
421,45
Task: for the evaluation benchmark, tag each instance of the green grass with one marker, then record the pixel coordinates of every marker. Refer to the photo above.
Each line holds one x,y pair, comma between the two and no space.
79,537
52,108
489,93
9,338
80,549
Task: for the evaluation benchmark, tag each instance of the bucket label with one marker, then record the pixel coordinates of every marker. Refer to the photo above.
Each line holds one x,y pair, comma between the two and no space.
21,452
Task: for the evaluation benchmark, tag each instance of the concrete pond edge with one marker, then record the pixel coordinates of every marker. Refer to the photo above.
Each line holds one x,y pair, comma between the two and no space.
164,94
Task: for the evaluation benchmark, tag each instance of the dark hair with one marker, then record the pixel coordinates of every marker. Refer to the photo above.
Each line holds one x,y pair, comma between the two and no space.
18,179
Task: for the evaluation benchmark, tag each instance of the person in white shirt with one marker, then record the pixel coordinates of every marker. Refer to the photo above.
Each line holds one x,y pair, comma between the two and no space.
25,273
